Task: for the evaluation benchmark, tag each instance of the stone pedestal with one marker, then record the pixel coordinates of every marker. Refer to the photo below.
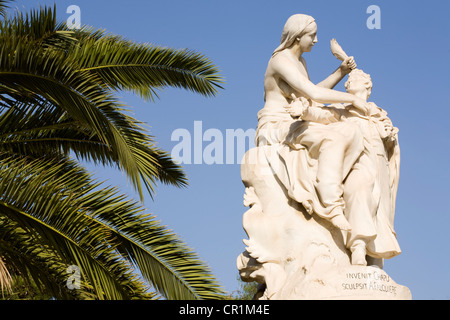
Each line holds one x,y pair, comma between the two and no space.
350,283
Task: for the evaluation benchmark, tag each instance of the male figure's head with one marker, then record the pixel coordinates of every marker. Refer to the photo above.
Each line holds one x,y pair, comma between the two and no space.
359,84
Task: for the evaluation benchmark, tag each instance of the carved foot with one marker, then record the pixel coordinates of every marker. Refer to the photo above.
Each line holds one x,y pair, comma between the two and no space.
341,222
358,250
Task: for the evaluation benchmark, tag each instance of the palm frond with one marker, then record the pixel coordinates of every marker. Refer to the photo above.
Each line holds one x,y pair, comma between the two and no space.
5,277
3,7
144,68
31,260
38,130
40,200
39,26
100,231
162,258
29,74
56,100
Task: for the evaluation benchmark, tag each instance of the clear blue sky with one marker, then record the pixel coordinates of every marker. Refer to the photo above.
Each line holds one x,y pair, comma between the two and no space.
407,59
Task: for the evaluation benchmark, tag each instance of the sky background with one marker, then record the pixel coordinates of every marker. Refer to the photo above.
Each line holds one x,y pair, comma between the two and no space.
408,62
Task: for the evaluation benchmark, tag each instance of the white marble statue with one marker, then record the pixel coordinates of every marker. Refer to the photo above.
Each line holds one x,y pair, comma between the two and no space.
322,180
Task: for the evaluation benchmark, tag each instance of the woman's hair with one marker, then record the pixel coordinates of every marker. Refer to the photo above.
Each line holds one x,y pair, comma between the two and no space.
296,26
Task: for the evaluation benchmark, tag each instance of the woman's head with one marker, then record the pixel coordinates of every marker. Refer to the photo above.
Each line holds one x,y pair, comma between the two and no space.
297,28
309,37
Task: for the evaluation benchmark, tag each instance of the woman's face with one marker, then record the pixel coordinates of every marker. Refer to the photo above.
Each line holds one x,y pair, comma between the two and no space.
309,39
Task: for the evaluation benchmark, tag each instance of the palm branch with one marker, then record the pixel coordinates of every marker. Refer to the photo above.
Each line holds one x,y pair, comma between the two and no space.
100,231
48,78
143,68
37,130
4,6
56,101
77,71
34,262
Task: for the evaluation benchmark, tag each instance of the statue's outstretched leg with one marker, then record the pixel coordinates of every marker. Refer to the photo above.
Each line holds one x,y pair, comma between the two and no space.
337,153
360,208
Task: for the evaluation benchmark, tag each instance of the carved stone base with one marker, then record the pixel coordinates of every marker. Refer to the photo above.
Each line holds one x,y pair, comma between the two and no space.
295,255
350,283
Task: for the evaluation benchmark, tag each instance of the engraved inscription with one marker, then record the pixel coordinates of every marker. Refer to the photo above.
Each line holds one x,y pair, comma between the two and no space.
372,281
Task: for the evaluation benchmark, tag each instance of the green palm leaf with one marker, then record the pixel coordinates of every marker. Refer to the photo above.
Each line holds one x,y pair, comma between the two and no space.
34,262
144,68
39,26
48,77
37,130
56,100
97,228
3,7
44,205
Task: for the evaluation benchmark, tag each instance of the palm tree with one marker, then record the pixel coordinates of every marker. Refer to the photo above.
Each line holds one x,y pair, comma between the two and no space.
57,109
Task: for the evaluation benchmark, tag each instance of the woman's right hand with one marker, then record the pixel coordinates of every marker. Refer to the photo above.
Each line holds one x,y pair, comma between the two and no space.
361,105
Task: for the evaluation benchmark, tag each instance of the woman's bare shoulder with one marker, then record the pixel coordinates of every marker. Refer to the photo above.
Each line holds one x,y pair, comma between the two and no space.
280,62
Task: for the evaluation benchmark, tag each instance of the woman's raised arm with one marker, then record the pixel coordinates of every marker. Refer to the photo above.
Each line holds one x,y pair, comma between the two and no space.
287,71
346,66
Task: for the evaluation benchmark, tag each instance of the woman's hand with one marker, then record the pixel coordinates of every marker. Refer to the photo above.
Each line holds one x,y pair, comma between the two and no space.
361,105
347,65
297,106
